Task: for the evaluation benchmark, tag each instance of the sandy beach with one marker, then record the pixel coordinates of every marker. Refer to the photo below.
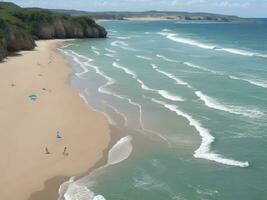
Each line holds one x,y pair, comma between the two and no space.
36,102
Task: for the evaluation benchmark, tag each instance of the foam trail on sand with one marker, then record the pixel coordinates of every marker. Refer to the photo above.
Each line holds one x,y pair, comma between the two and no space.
143,57
119,113
207,139
238,110
67,45
174,37
78,190
166,59
202,68
171,76
259,83
83,98
80,63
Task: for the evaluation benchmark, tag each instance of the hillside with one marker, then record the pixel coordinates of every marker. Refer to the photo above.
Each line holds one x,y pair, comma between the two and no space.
19,27
155,14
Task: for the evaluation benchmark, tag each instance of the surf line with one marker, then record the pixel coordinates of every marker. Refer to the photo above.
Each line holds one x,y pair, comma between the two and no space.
203,151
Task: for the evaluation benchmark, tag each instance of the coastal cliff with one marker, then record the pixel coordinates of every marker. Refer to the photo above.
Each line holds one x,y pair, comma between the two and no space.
20,27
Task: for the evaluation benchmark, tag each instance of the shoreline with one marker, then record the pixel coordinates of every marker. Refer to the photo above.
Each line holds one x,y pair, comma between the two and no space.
40,101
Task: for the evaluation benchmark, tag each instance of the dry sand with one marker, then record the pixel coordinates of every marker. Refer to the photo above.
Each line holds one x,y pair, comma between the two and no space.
28,127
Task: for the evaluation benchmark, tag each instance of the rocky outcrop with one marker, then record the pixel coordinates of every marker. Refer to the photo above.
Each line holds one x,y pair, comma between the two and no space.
17,40
14,39
3,50
68,29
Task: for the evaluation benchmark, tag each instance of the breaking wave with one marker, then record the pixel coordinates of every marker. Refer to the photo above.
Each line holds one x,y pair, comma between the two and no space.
202,68
259,83
144,57
171,76
166,59
174,37
207,139
238,110
79,189
170,96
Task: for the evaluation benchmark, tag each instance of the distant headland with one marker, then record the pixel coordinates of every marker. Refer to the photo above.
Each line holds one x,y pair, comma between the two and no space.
155,15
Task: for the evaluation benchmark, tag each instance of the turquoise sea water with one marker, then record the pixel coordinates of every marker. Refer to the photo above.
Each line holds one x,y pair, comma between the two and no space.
191,99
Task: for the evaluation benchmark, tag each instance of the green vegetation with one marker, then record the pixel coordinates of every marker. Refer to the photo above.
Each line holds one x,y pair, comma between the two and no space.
19,27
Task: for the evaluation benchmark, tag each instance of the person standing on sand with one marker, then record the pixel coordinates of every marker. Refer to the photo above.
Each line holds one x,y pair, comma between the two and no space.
46,151
65,151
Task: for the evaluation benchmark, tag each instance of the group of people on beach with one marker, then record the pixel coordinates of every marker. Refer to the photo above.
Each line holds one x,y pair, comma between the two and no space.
58,136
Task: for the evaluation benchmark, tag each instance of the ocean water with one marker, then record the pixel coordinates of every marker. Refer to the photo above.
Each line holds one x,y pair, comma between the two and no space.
191,99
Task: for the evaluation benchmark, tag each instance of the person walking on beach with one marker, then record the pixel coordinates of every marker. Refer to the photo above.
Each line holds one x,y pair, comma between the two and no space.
46,151
65,151
58,136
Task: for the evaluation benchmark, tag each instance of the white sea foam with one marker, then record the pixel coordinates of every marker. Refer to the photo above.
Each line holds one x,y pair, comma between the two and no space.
122,45
207,139
124,38
109,82
119,113
94,48
171,76
78,190
118,43
96,52
170,96
133,75
110,55
174,37
202,68
126,70
144,57
259,83
110,50
166,59
112,31
83,98
238,110
167,30
81,64
67,45
120,151
165,94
